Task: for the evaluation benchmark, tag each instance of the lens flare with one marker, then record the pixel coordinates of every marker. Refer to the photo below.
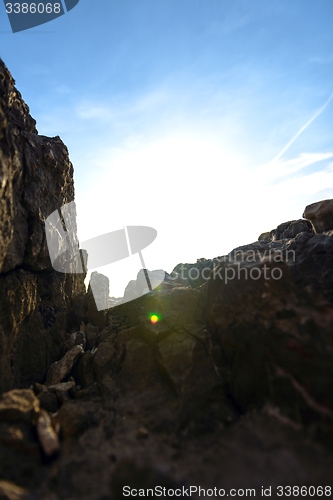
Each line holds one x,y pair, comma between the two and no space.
154,318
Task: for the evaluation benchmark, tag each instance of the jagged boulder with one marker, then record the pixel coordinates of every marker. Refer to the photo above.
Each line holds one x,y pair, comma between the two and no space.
287,230
270,324
321,215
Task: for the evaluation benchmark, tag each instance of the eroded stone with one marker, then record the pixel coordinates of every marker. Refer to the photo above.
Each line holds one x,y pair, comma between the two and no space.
321,215
18,404
47,437
60,369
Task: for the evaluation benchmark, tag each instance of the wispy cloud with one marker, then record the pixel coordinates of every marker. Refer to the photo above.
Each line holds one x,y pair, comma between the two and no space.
117,108
321,59
63,89
276,172
308,184
93,111
231,24
301,130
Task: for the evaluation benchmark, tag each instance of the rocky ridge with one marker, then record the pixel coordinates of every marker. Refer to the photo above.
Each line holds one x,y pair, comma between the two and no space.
231,388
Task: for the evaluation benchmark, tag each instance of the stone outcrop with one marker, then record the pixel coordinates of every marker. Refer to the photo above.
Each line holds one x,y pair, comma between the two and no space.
229,387
287,230
321,215
36,178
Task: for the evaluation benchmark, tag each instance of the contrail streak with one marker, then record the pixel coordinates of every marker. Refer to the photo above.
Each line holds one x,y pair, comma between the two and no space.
317,113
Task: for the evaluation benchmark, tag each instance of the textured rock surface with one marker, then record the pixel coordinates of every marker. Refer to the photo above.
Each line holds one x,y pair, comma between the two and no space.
321,215
60,369
231,388
97,299
46,434
36,178
287,230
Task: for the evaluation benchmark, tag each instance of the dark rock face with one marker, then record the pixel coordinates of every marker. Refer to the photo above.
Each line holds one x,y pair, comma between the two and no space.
36,178
97,299
287,230
321,215
229,387
269,335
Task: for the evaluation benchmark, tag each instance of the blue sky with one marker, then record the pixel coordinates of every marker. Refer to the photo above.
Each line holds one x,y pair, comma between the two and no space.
210,120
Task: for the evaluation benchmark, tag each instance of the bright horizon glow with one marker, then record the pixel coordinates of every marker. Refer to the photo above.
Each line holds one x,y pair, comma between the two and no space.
209,121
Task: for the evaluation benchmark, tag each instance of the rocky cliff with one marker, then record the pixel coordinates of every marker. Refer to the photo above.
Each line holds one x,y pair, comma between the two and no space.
231,387
36,303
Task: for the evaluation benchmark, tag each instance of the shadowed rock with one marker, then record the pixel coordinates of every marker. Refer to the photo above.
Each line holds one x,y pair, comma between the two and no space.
18,405
36,303
287,230
10,491
60,369
47,437
321,215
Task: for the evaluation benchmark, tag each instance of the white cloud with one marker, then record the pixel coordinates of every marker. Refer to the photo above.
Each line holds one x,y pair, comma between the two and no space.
308,184
90,111
117,109
276,170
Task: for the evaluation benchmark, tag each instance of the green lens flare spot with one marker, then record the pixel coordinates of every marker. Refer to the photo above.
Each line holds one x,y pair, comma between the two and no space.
154,318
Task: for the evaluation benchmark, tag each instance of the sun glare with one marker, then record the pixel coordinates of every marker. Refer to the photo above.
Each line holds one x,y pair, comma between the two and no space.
154,318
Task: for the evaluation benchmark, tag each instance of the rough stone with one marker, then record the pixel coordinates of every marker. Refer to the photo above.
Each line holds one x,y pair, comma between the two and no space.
19,404
49,401
102,359
268,336
92,335
77,416
47,437
62,387
321,215
97,300
10,491
145,281
76,338
310,259
60,369
84,374
36,178
287,230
